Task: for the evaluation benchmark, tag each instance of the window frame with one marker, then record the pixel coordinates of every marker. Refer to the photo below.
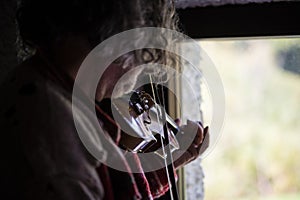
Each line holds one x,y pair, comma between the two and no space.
236,21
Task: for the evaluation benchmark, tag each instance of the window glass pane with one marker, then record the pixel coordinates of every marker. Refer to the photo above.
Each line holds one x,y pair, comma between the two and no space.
257,156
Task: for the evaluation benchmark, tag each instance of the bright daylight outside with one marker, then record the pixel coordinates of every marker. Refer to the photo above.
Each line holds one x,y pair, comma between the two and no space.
257,155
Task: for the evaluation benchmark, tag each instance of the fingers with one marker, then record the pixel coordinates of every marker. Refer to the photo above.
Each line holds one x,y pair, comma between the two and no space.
206,131
193,152
205,144
177,121
199,135
198,150
193,132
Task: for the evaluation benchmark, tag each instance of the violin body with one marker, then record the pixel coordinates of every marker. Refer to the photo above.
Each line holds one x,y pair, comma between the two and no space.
142,125
147,128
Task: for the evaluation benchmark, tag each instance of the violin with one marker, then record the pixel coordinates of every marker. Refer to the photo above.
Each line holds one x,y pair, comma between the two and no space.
147,128
143,124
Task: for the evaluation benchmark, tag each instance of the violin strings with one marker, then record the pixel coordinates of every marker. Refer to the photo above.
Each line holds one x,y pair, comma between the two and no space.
162,102
161,138
169,158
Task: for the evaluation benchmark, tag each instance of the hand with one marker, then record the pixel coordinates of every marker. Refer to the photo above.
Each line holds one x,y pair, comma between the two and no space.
197,147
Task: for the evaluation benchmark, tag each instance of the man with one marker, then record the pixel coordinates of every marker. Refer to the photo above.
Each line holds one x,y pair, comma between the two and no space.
44,156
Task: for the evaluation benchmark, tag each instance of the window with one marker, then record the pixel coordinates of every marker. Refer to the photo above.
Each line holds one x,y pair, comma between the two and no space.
257,155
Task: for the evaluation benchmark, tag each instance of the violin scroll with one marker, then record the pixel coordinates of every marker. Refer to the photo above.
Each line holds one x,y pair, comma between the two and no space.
139,103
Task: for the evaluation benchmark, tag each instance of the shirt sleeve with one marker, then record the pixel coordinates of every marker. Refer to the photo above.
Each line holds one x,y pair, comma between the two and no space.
57,165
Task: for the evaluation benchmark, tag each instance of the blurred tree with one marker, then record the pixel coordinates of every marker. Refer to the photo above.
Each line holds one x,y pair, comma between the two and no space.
289,59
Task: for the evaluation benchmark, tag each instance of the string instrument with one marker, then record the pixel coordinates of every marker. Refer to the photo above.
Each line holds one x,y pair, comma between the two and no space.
147,128
143,123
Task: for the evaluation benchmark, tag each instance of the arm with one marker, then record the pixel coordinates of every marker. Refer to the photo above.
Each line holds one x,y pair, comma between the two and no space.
57,164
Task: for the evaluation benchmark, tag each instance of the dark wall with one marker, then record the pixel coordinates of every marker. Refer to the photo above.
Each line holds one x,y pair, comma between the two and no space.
8,55
203,22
